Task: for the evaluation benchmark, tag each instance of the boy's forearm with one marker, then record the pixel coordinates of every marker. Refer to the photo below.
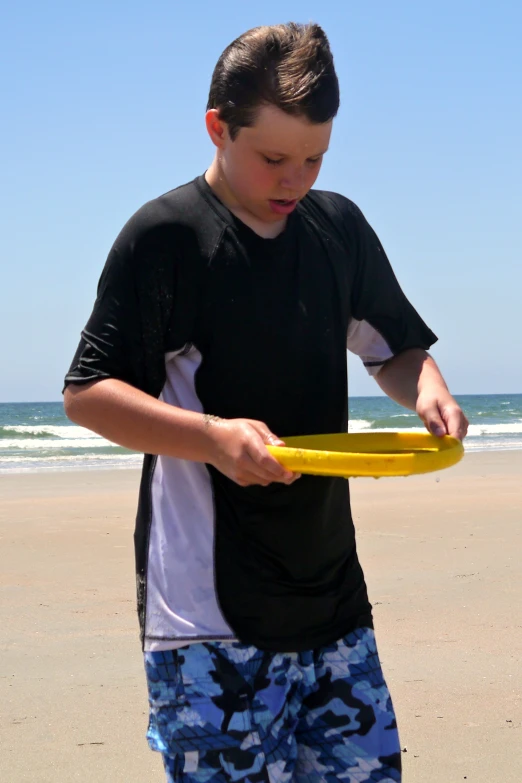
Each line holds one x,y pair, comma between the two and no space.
407,375
137,421
413,380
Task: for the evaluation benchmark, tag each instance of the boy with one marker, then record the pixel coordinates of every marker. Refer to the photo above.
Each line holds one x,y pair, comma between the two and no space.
222,319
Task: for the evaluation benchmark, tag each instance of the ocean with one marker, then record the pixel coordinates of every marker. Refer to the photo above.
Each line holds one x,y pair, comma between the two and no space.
38,437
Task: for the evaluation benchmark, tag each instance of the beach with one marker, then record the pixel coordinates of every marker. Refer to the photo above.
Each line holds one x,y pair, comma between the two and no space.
441,554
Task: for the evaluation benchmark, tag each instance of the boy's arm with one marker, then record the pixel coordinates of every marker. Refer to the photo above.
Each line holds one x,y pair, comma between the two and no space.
388,334
118,371
413,380
136,420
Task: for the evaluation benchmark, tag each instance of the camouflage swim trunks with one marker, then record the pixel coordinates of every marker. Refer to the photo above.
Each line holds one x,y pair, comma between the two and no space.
225,711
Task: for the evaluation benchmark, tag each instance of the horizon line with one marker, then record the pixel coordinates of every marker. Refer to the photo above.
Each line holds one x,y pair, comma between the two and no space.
350,397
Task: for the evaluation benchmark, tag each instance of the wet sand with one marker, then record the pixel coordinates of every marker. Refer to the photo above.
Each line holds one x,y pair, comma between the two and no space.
442,555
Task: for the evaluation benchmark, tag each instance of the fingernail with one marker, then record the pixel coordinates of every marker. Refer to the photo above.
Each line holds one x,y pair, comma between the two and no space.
438,431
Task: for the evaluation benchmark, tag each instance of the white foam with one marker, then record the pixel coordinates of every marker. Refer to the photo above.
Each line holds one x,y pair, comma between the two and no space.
495,429
356,425
76,458
57,432
39,444
475,430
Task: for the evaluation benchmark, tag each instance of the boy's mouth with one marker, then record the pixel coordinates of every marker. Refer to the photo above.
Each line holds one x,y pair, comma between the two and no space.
282,206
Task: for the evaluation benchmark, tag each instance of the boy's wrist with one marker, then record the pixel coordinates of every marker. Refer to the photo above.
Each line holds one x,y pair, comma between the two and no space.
210,420
212,429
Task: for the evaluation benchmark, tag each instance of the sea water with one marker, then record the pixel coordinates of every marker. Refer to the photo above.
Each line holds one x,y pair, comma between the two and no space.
38,436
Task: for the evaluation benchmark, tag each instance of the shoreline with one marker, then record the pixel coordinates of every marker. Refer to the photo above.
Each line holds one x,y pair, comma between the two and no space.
469,464
136,464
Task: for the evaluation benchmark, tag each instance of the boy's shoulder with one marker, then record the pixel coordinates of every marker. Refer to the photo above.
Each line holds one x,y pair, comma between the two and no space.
334,214
184,210
334,205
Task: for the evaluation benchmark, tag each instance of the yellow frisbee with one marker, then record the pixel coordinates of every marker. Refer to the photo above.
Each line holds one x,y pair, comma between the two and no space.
373,454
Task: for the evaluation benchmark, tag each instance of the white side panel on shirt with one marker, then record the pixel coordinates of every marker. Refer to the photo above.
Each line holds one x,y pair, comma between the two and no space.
181,598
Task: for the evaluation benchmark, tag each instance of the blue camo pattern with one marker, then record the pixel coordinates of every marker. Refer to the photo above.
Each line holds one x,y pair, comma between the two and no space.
224,711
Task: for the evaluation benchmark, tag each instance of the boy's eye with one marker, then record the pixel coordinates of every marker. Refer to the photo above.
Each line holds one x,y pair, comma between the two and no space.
278,161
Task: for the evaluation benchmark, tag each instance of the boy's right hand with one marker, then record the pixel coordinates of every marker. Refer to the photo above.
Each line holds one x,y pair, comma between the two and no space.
238,450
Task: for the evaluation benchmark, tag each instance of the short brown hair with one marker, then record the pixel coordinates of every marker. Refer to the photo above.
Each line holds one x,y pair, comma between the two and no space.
289,66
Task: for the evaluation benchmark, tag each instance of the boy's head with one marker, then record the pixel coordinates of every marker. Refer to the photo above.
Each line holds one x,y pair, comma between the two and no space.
273,96
288,66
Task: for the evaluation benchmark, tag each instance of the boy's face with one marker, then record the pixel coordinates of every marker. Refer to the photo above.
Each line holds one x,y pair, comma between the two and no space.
270,166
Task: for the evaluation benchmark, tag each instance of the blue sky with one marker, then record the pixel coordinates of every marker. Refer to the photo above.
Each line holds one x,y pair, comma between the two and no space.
103,106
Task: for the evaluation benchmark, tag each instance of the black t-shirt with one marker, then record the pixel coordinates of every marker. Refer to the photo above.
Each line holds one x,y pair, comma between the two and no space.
194,307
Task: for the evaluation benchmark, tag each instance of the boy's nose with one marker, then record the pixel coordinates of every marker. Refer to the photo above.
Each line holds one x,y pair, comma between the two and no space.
293,180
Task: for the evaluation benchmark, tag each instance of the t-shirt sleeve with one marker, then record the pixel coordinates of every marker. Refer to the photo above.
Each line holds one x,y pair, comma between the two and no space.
384,323
124,336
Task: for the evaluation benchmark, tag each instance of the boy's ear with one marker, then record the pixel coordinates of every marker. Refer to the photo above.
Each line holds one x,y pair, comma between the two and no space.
216,128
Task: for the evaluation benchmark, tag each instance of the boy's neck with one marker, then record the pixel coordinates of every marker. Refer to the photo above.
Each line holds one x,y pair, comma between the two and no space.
217,181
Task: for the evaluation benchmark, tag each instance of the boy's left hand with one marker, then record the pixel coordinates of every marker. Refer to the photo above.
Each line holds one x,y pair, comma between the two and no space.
441,414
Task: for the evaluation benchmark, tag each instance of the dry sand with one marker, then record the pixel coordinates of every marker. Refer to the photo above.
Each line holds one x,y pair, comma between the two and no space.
442,555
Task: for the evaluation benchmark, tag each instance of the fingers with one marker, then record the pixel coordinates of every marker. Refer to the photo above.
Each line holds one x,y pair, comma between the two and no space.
264,466
456,423
447,419
240,452
267,437
433,421
251,473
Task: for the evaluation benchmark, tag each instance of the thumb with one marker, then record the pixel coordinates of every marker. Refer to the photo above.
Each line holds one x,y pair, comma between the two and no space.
435,424
272,440
429,412
268,437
